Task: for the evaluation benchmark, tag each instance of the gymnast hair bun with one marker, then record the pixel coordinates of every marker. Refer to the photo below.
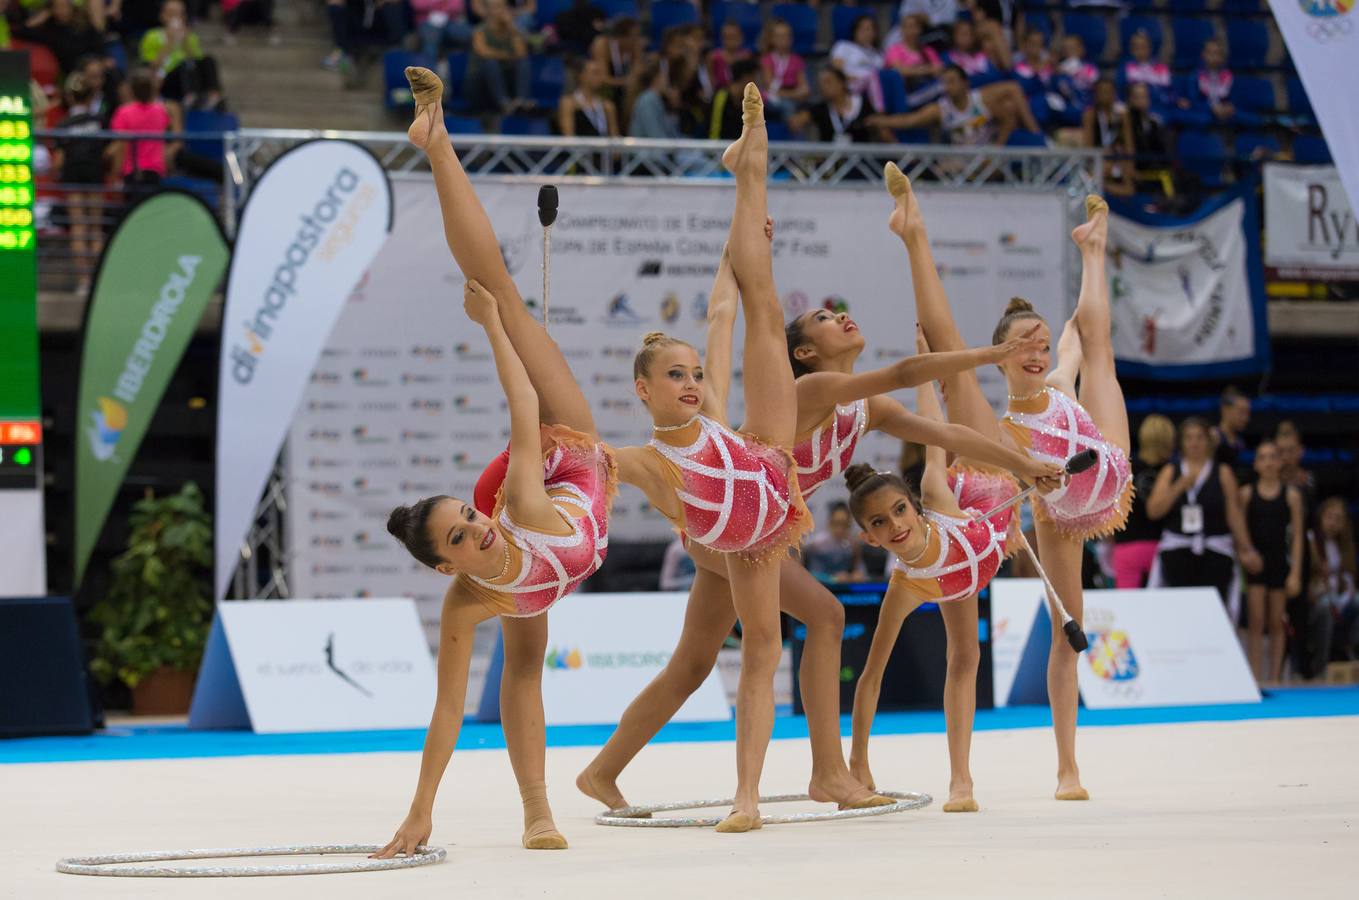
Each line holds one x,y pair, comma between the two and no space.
1018,305
399,522
654,337
857,474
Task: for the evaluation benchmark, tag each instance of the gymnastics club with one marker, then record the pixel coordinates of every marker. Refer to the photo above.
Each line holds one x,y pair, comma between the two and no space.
1075,634
547,214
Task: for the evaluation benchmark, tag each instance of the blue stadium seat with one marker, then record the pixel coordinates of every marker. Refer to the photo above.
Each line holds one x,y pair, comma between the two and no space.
206,120
1198,115
1300,110
1130,25
454,99
116,51
1091,29
615,9
1254,100
210,192
1311,150
913,135
1187,7
805,22
1247,43
1243,6
1021,138
396,92
893,91
1202,154
549,80
669,13
463,125
1147,6
844,17
525,125
1190,36
1039,21
1249,142
748,15
548,10
778,131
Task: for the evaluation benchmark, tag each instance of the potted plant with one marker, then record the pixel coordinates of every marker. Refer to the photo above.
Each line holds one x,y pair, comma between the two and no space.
155,618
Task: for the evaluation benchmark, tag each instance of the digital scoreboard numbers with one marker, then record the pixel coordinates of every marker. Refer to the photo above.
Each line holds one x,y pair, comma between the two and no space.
20,401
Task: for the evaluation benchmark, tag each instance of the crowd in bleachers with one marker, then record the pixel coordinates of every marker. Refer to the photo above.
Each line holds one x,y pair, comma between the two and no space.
1173,92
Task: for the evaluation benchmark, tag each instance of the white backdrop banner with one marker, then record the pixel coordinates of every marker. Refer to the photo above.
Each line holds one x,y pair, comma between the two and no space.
305,665
404,400
1323,41
312,225
1015,603
1188,293
1310,228
604,648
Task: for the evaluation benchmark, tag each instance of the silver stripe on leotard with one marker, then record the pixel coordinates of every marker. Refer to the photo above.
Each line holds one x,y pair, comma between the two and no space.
950,530
837,447
1069,432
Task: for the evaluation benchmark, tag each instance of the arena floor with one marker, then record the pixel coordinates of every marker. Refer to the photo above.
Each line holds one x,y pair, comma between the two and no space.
1253,807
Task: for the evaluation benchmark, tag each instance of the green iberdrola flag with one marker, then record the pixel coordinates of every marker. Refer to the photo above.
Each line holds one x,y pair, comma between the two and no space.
157,275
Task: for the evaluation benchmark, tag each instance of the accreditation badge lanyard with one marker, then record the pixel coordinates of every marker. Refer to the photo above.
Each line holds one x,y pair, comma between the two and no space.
1191,513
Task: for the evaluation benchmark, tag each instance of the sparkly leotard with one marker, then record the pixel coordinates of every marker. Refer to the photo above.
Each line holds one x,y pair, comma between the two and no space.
541,567
737,495
1052,427
829,449
962,555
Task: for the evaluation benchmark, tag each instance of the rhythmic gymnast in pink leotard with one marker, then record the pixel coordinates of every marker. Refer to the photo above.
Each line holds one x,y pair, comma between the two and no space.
548,530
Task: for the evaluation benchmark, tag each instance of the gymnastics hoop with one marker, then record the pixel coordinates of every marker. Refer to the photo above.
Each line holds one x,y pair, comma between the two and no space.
629,817
99,865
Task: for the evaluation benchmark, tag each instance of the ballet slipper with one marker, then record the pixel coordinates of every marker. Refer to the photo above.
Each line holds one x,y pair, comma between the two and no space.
897,182
739,823
1094,205
428,91
752,107
868,802
1072,793
540,832
963,805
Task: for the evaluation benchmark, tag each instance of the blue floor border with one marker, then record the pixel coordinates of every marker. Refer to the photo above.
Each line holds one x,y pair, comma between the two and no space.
178,742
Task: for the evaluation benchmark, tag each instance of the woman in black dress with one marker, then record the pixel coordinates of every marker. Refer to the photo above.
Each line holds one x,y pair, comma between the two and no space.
1274,519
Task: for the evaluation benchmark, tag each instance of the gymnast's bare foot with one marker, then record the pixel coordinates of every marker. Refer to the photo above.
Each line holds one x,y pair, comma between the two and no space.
428,92
906,220
754,138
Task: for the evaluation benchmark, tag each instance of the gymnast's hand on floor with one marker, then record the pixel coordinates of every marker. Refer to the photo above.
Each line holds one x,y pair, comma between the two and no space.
413,833
480,304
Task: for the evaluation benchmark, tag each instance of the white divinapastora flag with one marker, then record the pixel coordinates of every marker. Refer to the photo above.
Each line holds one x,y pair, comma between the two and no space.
313,224
1323,39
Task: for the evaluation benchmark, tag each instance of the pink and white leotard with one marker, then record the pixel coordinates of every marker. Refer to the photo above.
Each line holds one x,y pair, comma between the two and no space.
829,449
962,554
542,567
1052,427
737,494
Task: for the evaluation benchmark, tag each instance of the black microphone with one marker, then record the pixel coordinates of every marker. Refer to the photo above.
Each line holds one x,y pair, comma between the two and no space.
547,204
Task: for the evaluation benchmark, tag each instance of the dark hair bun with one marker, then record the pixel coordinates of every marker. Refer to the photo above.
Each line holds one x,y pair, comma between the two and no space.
857,474
399,522
1018,305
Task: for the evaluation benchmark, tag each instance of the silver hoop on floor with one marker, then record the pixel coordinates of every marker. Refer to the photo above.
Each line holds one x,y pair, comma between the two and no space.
109,865
632,816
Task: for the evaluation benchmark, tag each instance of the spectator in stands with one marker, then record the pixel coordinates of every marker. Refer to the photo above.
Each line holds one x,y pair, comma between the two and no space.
65,30
917,62
1002,12
1150,144
1335,588
724,116
690,86
1291,450
1036,73
1200,503
82,164
578,26
356,23
723,58
860,59
1212,84
102,79
651,114
1135,546
939,17
140,162
839,117
1106,127
522,12
1274,519
677,568
619,52
971,117
498,72
1229,437
1076,77
967,53
1140,68
783,70
587,111
832,553
188,76
440,24
236,13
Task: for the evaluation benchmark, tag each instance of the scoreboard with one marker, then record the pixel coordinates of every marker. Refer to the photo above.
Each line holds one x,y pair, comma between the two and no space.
20,401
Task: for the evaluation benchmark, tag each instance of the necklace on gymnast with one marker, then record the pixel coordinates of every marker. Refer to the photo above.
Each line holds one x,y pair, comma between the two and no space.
674,427
929,532
1034,396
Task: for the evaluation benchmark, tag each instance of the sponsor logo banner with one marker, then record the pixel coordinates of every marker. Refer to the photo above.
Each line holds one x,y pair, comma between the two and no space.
1311,232
156,276
313,224
1187,293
